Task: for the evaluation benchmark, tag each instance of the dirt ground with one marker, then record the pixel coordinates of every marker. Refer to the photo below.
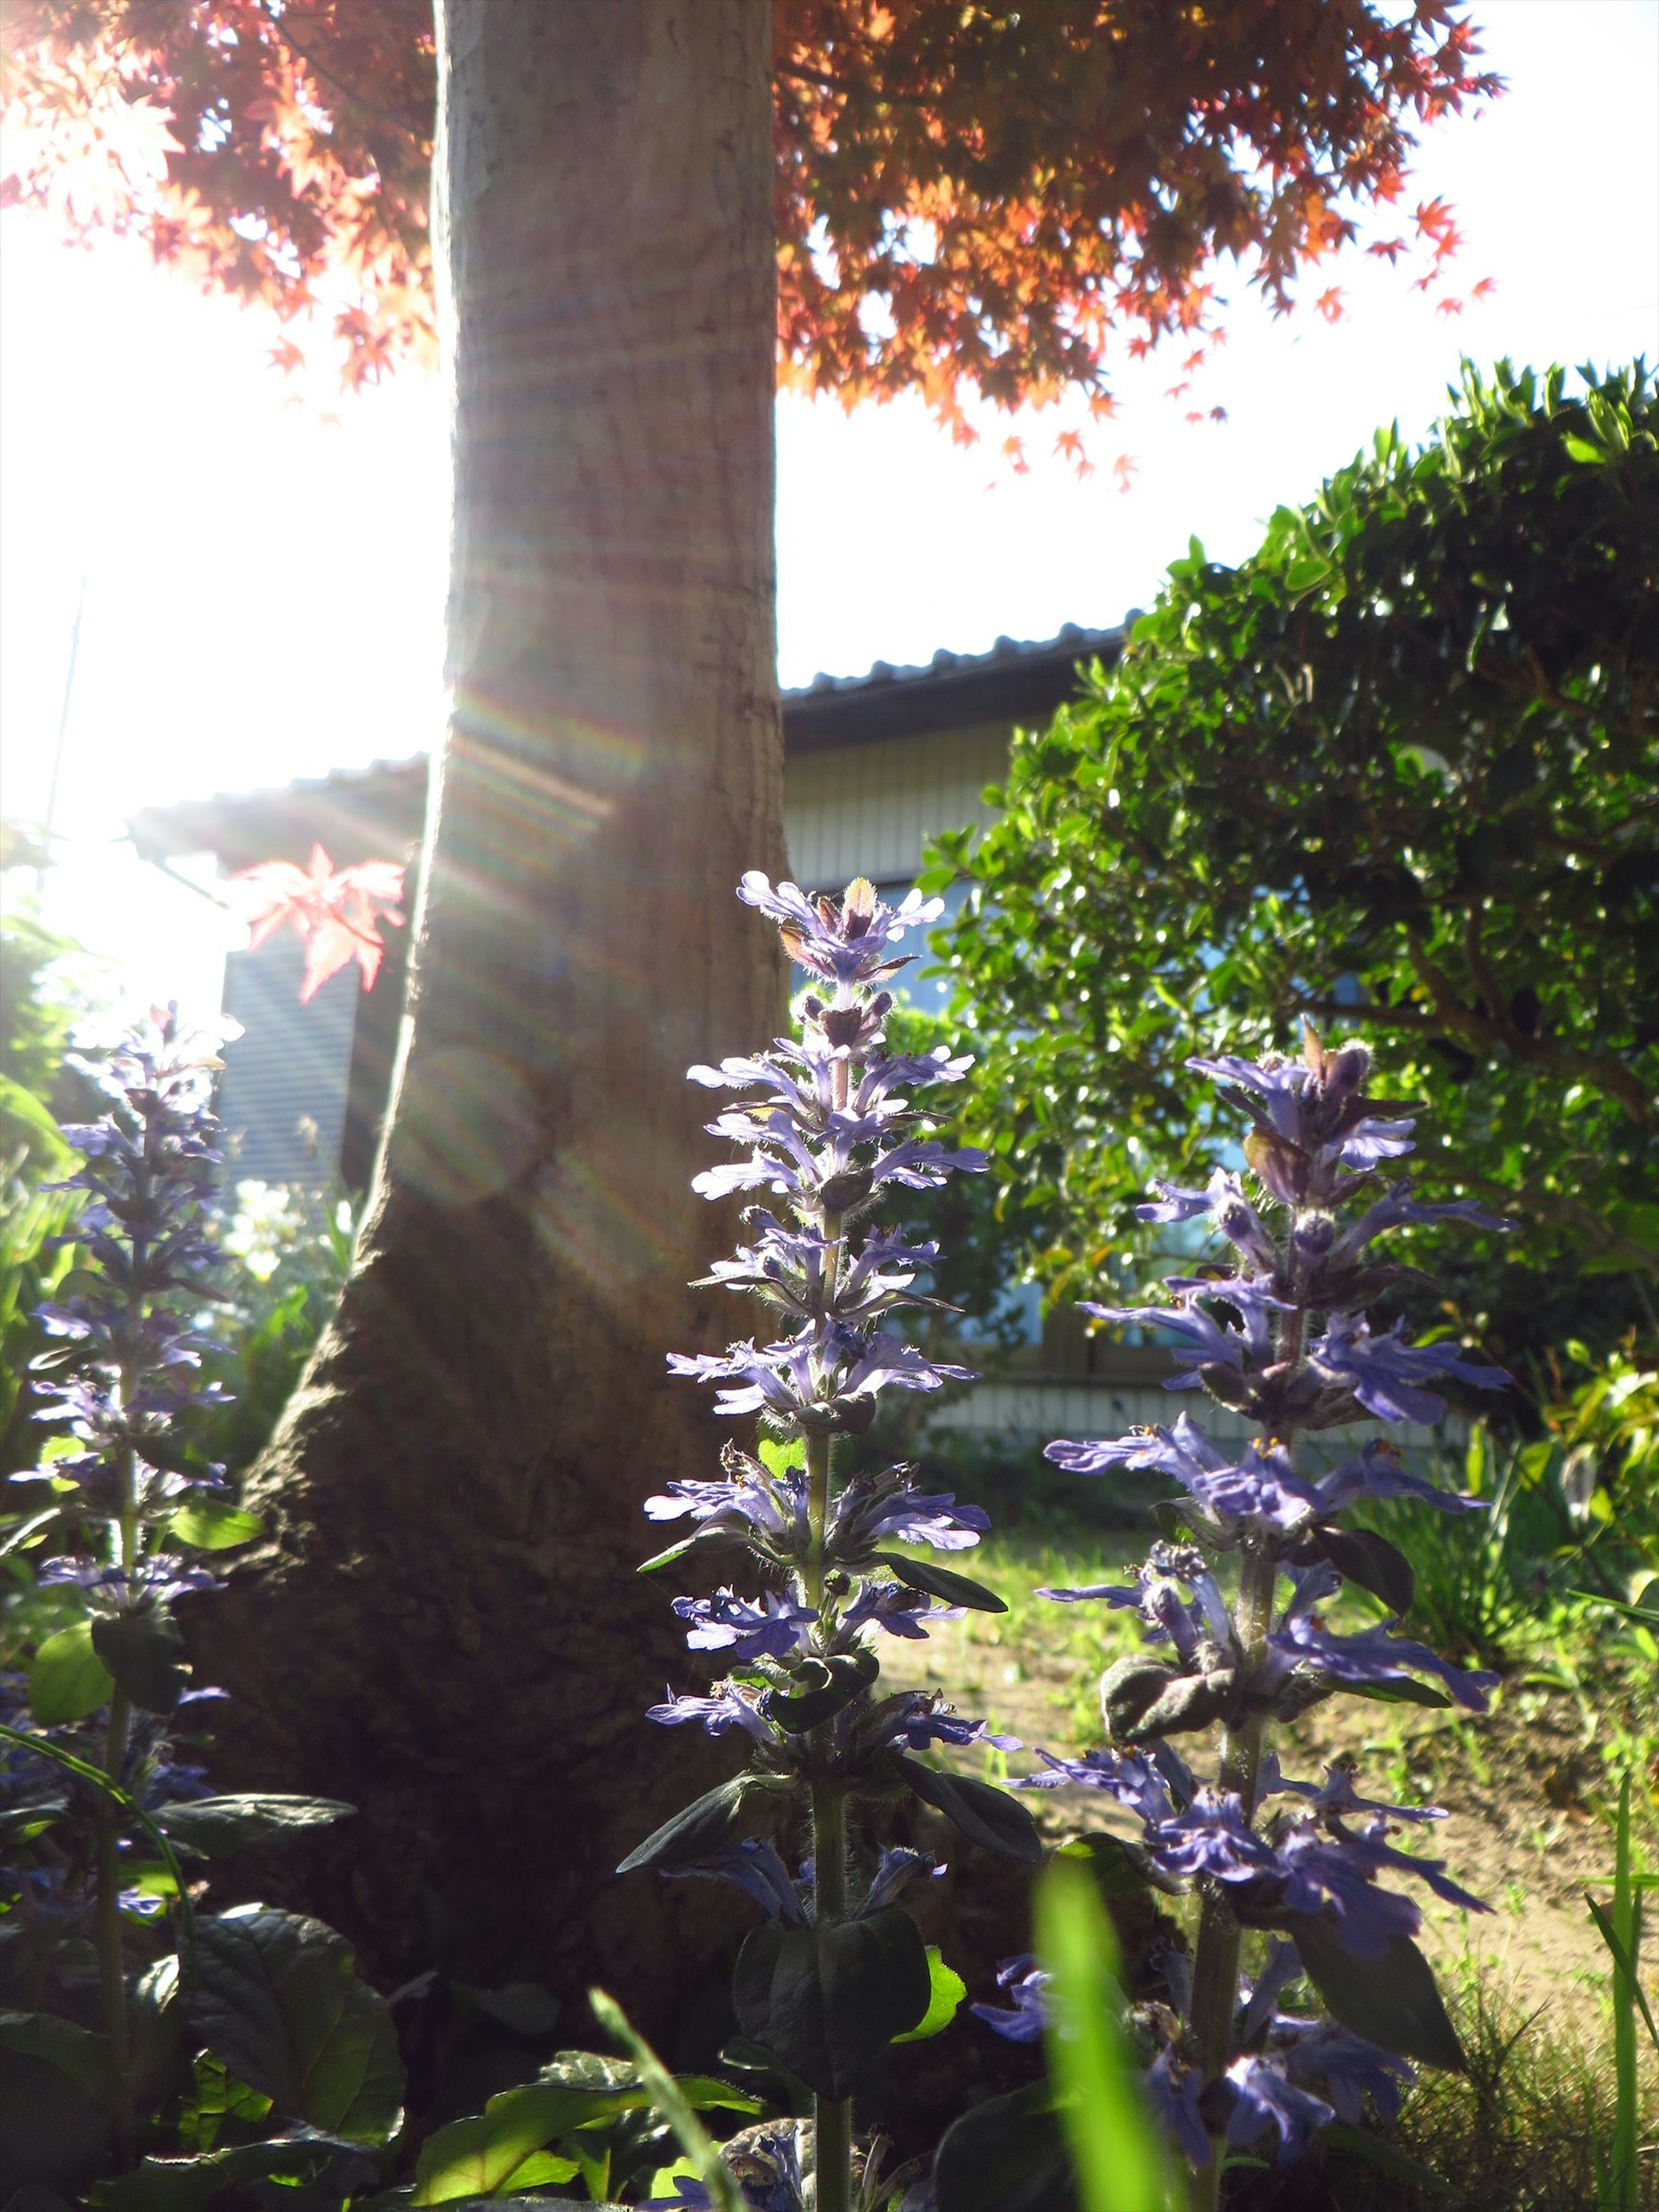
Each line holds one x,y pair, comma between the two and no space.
1520,1834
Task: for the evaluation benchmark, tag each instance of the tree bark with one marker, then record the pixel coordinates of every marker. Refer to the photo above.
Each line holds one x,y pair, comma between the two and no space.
445,1626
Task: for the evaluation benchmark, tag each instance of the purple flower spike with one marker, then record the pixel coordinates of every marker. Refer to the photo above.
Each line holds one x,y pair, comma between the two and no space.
725,1622
1386,1374
1173,2092
1283,1345
756,1869
1133,1779
1264,2098
841,941
1026,2014
1351,2070
1213,1837
727,1709
1375,1654
1378,1471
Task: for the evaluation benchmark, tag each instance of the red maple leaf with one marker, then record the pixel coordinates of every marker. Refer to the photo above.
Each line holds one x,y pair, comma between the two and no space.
1487,286
335,915
1448,307
1387,249
1329,304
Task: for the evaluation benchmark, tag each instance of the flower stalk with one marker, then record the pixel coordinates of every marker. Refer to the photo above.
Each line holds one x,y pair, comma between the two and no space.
827,1132
1284,1345
122,1373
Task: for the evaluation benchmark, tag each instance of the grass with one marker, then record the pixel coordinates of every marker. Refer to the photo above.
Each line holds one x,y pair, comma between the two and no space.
1523,2131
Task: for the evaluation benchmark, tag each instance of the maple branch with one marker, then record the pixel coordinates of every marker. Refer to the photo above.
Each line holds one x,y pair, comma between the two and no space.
830,82
281,24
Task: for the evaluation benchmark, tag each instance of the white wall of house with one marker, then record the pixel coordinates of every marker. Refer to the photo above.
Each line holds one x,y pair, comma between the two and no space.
869,810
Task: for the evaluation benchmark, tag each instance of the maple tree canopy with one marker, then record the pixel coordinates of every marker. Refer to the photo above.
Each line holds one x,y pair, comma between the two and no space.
968,197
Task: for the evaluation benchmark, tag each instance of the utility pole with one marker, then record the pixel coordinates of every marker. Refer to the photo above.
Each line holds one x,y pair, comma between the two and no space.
47,825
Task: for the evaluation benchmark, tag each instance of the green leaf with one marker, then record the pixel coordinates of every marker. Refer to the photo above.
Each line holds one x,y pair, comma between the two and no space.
940,1582
693,1833
541,2167
210,1526
1303,575
73,2050
987,1816
28,1113
1372,2150
827,2000
191,2185
68,1679
1115,2146
216,1827
1625,1964
946,1990
1005,2154
1392,2000
145,1652
274,1996
482,2156
1119,1866
1402,1693
1373,1562
476,2157
830,1688
1144,1698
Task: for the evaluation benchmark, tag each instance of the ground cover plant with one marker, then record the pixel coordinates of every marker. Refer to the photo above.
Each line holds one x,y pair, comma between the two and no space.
161,2047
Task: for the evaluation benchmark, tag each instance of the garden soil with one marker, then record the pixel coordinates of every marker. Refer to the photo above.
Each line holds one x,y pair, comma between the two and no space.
1521,1833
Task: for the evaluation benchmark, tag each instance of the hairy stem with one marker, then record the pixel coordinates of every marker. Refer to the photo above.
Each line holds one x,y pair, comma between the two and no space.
111,1961
1215,1964
832,2122
832,2161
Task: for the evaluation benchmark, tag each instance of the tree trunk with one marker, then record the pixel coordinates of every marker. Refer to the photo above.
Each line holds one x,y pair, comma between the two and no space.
445,1626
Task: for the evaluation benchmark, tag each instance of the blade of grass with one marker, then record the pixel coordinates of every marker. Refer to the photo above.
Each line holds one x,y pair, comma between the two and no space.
1625,1964
694,2138
1121,2163
1620,1930
1643,1614
132,1810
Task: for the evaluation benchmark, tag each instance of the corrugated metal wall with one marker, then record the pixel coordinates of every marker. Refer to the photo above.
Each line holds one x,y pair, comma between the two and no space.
867,810
282,1095
1106,1407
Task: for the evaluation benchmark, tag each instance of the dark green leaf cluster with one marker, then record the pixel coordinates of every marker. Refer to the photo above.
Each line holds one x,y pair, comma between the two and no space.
1400,767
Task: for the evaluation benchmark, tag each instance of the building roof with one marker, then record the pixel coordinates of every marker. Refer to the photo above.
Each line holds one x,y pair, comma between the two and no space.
357,813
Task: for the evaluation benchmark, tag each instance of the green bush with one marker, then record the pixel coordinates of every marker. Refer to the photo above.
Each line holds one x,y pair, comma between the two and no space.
1397,769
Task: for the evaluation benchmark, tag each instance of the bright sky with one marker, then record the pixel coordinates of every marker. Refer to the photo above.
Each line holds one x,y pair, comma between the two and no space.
264,571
